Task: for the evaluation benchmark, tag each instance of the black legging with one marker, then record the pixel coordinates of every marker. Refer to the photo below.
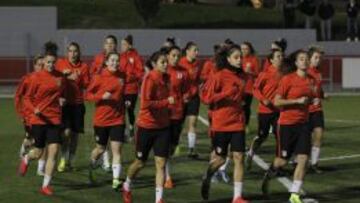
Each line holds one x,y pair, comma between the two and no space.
247,107
131,109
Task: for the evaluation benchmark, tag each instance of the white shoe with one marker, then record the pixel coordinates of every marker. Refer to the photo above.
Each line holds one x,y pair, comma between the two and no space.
40,173
348,39
356,39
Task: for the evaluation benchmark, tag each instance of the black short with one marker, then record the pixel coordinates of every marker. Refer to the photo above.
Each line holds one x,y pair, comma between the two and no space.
192,107
45,134
293,139
158,139
316,120
132,98
175,131
265,121
116,133
221,141
73,117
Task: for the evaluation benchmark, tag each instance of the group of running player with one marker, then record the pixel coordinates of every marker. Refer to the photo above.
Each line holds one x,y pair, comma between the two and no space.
171,85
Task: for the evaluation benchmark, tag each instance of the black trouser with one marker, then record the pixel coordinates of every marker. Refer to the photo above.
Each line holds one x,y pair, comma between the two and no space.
247,107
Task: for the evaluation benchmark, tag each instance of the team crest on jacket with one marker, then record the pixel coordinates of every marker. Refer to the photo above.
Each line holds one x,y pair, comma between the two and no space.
139,154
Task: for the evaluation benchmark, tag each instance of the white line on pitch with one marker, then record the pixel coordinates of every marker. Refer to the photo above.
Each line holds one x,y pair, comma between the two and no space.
340,157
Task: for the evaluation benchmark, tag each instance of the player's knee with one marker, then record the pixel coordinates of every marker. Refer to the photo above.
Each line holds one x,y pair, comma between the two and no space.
238,157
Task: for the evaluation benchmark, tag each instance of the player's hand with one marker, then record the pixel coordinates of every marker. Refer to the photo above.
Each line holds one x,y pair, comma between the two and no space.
316,101
127,103
73,76
66,71
62,101
302,100
266,102
37,111
171,100
106,96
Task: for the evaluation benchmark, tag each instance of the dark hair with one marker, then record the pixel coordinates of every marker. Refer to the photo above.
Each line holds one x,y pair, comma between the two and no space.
216,48
129,39
188,46
50,49
154,58
282,43
112,37
171,41
37,58
291,59
251,47
223,54
169,49
315,49
77,46
229,42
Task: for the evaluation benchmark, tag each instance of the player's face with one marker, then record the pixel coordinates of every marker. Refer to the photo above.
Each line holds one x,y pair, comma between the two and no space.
39,65
73,54
109,45
277,60
113,62
245,50
49,63
192,52
316,59
161,64
235,59
125,46
302,61
173,57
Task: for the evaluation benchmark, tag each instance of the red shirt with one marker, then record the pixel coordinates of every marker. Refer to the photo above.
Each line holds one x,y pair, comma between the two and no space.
108,112
131,64
154,110
265,89
315,73
224,92
44,93
253,62
74,88
194,74
209,69
179,89
292,86
21,105
266,64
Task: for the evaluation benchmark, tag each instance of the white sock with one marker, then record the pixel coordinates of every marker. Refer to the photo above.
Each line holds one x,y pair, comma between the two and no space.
105,157
167,170
116,168
225,165
26,159
46,180
295,187
127,184
315,153
191,140
159,193
41,165
237,189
